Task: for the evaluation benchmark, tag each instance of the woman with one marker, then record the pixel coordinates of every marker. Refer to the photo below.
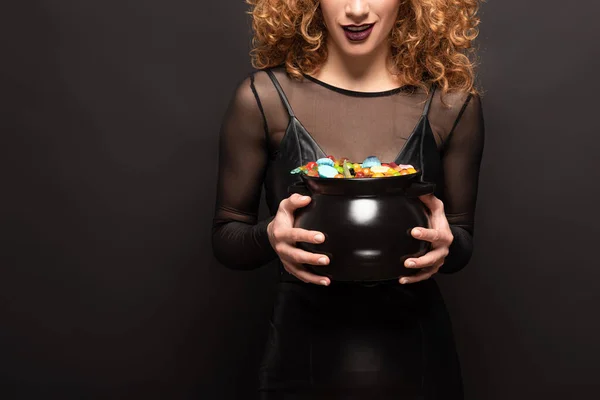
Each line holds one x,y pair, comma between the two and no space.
353,78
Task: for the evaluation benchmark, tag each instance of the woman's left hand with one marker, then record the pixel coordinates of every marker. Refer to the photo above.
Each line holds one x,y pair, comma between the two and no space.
440,236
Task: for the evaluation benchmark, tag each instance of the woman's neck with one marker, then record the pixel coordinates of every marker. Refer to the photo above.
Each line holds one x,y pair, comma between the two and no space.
368,73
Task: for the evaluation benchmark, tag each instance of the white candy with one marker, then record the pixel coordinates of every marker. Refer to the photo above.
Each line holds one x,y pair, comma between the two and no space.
379,168
405,166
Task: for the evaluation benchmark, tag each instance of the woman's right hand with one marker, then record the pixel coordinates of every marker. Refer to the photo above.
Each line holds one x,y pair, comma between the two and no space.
283,237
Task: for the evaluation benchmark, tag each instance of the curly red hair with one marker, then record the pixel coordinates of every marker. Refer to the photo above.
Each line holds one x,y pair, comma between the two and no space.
432,40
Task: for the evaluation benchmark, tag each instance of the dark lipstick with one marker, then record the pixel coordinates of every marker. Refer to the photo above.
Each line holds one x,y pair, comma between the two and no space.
357,33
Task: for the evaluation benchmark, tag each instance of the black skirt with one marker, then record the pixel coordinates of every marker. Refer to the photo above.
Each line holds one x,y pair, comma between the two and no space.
352,341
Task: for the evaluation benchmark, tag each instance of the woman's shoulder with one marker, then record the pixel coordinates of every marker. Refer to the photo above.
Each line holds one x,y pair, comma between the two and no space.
455,100
255,95
251,87
450,108
263,78
263,84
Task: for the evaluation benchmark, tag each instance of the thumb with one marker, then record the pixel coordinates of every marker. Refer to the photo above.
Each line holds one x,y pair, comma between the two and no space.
430,200
297,201
300,200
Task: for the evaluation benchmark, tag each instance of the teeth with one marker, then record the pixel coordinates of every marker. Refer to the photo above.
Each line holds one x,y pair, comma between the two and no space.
357,28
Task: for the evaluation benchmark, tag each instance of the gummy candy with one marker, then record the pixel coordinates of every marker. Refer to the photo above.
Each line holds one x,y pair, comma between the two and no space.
370,162
325,161
346,169
327,171
371,167
379,168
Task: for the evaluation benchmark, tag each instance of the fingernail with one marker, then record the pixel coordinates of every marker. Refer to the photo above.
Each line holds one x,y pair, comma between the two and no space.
322,261
319,237
303,198
403,281
323,282
410,264
417,232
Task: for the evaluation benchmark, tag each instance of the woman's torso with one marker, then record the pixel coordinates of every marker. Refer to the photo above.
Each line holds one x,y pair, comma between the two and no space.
310,119
347,336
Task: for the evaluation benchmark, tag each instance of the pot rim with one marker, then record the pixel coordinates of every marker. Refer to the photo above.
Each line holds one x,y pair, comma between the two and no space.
360,186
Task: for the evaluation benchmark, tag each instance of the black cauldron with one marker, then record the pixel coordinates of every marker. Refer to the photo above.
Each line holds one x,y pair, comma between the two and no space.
366,223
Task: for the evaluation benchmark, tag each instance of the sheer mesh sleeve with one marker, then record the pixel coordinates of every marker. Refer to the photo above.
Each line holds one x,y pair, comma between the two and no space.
239,241
462,153
337,120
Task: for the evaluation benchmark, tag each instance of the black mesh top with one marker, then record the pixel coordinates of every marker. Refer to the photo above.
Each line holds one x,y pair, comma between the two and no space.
342,123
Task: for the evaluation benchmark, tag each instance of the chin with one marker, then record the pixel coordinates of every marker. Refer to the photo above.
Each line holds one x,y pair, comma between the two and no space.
358,50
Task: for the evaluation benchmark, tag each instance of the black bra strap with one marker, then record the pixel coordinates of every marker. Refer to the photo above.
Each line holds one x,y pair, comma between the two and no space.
432,91
284,99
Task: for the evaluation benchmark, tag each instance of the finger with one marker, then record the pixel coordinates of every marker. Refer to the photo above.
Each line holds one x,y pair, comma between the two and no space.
294,202
421,276
299,256
428,259
304,275
305,235
291,253
430,235
432,202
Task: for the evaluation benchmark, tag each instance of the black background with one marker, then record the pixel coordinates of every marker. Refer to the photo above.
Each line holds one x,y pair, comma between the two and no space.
110,118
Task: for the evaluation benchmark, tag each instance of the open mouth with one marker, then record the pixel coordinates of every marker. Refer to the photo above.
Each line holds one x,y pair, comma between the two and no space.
357,33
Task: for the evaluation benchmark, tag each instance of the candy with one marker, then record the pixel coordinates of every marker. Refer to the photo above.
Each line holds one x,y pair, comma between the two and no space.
370,162
325,161
371,167
346,168
327,171
379,169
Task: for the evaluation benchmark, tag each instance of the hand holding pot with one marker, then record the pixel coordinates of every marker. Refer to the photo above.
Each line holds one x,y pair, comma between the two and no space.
283,237
440,236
